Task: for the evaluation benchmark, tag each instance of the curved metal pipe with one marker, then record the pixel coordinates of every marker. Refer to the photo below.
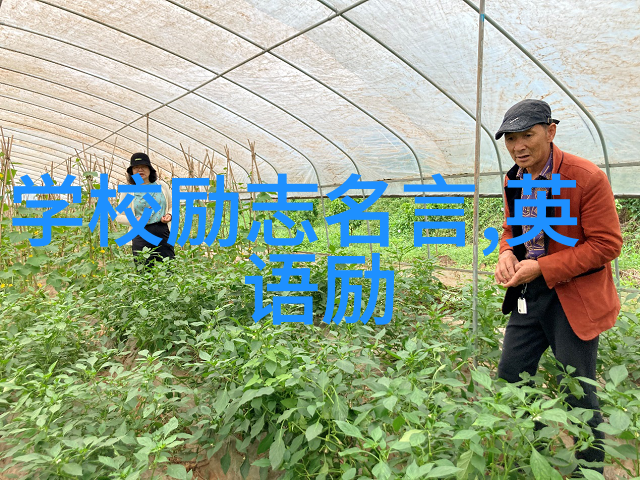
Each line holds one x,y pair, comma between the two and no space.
216,76
428,79
134,91
541,66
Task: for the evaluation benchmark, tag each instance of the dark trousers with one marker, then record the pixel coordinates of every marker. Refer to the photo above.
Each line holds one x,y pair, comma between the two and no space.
545,324
162,250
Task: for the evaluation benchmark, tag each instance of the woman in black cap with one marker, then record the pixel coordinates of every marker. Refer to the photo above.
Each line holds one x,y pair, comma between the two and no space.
160,221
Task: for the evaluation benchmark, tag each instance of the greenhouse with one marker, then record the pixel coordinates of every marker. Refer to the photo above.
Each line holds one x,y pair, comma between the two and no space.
248,239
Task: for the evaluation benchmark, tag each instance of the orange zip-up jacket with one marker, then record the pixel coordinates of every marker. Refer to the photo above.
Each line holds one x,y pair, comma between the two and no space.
580,274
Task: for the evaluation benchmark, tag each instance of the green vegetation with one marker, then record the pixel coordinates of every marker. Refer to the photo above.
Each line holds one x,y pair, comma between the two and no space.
108,372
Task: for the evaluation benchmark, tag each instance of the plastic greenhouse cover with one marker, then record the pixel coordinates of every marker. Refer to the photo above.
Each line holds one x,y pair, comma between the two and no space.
382,88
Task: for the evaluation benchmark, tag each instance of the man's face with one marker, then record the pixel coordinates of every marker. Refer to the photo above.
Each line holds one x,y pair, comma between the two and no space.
530,149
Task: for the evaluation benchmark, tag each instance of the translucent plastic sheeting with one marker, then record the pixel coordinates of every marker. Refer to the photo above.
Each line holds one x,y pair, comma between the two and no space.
325,88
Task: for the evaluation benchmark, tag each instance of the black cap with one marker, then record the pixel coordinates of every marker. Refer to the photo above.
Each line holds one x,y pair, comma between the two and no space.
137,159
524,115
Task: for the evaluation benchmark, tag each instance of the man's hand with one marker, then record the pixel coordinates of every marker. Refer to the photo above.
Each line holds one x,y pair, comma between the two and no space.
526,271
505,270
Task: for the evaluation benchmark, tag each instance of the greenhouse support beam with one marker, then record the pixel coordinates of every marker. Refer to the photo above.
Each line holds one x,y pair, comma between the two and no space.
561,85
28,169
216,75
312,77
147,151
19,141
476,178
222,75
146,115
30,135
425,77
33,160
134,67
83,133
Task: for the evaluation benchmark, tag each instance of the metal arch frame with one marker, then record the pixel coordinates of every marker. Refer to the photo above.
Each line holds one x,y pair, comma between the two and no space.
35,150
13,129
219,75
47,121
315,170
52,110
427,78
134,91
150,74
292,65
124,136
64,136
22,140
171,107
28,169
216,75
154,75
60,135
108,101
557,81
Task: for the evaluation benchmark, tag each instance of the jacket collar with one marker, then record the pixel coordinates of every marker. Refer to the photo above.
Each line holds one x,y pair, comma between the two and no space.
558,157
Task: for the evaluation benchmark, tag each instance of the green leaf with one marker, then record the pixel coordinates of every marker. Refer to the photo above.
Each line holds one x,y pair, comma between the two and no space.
541,468
486,420
245,468
346,366
555,415
628,451
173,295
619,420
340,409
390,402
264,445
398,423
257,427
251,394
407,436
221,402
452,382
204,355
313,431
609,429
618,374
225,462
271,366
591,474
348,429
170,426
465,435
30,457
349,474
72,469
276,452
177,471
443,471
108,461
482,378
381,470
263,462
350,451
465,466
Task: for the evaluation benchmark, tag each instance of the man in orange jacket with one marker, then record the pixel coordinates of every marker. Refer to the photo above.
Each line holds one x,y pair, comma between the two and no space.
559,296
